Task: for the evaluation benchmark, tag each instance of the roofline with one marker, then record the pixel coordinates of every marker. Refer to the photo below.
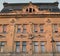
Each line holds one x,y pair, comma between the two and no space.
54,3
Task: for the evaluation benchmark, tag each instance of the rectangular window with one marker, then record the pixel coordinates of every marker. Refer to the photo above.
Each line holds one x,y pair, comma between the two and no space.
18,46
42,46
1,28
41,28
18,28
58,46
24,46
55,29
35,28
35,46
2,45
4,28
24,28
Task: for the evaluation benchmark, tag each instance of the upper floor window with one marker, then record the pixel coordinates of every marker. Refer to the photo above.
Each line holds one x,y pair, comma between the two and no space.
2,46
24,28
41,28
3,28
35,28
18,28
55,28
17,46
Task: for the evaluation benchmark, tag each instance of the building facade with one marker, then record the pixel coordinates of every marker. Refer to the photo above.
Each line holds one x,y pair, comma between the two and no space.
30,29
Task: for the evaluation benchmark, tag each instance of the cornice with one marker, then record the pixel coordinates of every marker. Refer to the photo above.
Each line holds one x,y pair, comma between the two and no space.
52,15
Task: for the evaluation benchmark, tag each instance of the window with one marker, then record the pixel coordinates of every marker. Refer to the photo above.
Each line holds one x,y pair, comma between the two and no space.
18,46
23,46
24,28
35,46
42,46
2,45
18,28
58,46
26,10
35,28
33,10
1,28
30,10
55,29
41,28
4,28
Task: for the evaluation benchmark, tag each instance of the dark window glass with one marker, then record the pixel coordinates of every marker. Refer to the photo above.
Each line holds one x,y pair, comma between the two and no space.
30,10
24,46
17,46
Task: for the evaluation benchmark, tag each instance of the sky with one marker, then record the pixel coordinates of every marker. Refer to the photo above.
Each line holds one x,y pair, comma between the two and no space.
25,1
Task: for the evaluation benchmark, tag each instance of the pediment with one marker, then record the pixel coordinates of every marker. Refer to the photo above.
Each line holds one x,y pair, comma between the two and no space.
30,8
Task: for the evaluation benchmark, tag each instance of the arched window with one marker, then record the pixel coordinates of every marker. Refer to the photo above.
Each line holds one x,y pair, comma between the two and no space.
26,10
30,10
33,10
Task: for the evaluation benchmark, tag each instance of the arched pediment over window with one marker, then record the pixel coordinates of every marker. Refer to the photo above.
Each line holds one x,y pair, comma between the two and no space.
30,8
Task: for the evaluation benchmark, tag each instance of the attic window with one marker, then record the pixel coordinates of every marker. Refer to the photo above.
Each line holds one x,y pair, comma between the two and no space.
33,10
27,10
30,10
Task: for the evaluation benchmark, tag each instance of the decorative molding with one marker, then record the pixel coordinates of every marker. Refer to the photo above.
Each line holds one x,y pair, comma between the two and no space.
30,16
41,35
1,36
48,21
22,36
12,21
31,36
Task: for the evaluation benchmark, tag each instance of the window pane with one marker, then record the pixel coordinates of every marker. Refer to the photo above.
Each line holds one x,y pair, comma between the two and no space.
18,46
42,43
24,28
24,43
18,43
2,45
58,46
35,46
24,46
1,28
35,28
30,10
55,28
4,28
35,43
18,28
41,28
42,46
2,48
36,49
58,43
